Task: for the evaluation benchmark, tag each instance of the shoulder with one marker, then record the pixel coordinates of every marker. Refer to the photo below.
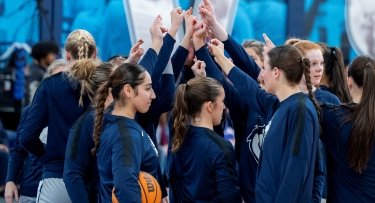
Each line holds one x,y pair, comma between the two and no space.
326,96
300,106
218,145
333,111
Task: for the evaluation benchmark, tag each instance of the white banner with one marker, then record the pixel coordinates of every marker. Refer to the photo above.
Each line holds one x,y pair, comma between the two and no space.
360,25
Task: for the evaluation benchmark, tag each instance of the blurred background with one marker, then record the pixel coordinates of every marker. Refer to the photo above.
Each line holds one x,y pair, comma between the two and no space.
31,21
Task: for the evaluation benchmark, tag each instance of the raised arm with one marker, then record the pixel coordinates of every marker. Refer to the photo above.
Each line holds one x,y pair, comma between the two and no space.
177,16
185,52
255,97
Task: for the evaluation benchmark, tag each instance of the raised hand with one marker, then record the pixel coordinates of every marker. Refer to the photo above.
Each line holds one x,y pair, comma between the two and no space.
190,23
199,68
156,31
177,16
199,35
206,10
136,52
216,48
268,45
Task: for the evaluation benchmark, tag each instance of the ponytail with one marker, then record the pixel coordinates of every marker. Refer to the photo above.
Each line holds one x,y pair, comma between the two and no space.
361,141
180,117
90,74
100,99
334,69
305,62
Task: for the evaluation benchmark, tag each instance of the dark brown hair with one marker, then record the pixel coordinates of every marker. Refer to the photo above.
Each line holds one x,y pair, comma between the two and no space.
131,74
361,141
289,59
334,69
188,103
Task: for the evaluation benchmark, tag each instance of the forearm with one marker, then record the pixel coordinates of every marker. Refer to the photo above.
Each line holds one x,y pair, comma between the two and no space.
219,31
225,64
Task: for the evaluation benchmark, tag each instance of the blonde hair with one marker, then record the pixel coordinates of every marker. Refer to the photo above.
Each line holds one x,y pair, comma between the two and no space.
80,44
306,45
90,73
59,64
292,41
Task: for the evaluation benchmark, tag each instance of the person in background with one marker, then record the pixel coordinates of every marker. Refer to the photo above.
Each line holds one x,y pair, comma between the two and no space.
4,156
58,102
43,54
334,78
117,60
349,137
255,49
24,168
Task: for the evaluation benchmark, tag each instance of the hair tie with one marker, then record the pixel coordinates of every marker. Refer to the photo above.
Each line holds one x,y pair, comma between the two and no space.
333,52
368,64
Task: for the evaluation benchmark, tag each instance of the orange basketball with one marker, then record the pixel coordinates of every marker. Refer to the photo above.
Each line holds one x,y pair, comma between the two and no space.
150,189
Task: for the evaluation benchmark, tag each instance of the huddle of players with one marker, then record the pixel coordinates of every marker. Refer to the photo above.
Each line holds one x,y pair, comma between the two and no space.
300,125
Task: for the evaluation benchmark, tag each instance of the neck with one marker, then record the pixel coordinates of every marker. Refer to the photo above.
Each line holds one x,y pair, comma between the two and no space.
123,111
324,81
303,88
285,91
202,122
356,95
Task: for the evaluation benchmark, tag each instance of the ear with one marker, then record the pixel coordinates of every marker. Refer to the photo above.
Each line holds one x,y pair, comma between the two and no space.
128,91
350,82
95,54
210,106
276,72
68,57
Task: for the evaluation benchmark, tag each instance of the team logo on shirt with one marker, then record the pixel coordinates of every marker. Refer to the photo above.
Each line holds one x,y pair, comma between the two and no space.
256,139
152,143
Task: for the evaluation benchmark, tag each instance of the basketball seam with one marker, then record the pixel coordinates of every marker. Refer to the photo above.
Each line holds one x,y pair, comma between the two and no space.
143,190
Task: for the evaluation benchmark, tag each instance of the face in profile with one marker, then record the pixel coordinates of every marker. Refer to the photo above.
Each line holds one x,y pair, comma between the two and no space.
145,95
266,75
219,106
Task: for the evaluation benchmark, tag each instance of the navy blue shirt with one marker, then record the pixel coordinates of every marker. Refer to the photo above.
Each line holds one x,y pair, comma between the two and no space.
203,169
250,134
344,184
248,113
287,164
163,85
55,105
81,175
326,96
21,160
80,170
125,149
